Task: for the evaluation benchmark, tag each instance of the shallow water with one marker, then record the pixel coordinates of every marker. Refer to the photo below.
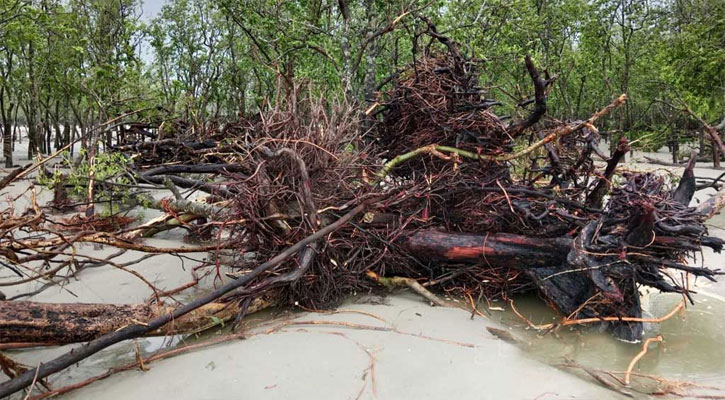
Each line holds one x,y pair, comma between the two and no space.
692,349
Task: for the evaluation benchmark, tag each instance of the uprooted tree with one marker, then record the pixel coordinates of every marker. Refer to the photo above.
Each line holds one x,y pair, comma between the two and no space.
439,190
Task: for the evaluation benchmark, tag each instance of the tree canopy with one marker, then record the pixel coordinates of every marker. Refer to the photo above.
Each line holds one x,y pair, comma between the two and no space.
67,65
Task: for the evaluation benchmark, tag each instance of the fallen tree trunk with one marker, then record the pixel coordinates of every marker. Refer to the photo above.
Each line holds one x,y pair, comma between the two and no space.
565,273
7,179
542,259
186,183
503,249
712,206
515,251
63,323
193,169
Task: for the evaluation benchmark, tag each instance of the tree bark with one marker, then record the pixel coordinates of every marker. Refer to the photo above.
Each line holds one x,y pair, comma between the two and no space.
61,323
515,251
11,176
32,107
347,73
596,196
7,136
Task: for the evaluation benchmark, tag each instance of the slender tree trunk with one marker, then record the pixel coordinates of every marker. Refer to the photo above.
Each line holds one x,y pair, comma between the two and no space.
66,139
370,54
8,143
33,105
7,113
579,96
58,139
47,134
92,151
109,139
76,132
715,155
81,125
17,136
65,135
33,134
347,73
7,129
370,66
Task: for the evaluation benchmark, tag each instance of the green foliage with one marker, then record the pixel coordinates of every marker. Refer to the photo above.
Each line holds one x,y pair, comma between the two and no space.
647,140
50,181
84,61
108,168
108,171
217,321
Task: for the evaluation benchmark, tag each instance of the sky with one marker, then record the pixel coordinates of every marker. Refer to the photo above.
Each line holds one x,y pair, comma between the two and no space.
150,8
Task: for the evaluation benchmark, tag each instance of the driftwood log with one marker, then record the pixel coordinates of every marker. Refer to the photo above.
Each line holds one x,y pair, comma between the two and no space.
62,323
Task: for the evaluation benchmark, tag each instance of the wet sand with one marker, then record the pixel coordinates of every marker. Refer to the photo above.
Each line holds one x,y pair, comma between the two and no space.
457,358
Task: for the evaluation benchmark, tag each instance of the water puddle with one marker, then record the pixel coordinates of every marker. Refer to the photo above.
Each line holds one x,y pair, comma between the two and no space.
693,349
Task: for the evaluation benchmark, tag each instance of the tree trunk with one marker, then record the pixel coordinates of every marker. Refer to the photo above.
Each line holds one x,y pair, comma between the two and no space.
17,136
7,130
48,134
32,136
58,141
32,107
8,143
541,259
347,73
503,249
715,155
65,137
63,323
31,322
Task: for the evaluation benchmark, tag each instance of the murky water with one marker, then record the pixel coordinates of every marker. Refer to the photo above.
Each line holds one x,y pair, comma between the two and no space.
694,340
